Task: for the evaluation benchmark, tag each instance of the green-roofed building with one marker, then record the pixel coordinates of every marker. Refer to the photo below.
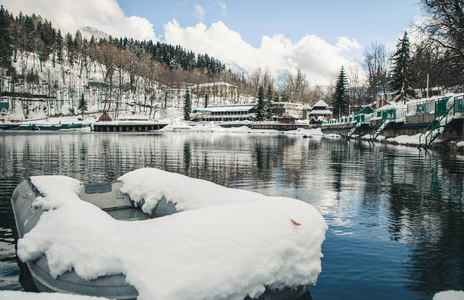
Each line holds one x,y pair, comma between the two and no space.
4,112
365,110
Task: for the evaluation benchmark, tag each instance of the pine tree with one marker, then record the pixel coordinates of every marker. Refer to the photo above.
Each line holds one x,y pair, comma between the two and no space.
341,98
269,103
260,114
187,106
206,100
82,105
5,40
400,82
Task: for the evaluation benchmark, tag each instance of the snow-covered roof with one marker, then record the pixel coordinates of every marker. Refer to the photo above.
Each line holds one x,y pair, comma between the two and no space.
287,116
214,84
320,112
320,103
287,103
225,108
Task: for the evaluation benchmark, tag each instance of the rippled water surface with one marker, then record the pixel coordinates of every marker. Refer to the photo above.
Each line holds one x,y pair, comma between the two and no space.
395,214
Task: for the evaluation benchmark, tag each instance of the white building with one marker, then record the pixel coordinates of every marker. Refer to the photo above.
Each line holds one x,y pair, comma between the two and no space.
320,111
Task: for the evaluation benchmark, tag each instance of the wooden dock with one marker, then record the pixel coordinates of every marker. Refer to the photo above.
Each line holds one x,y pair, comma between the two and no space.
126,126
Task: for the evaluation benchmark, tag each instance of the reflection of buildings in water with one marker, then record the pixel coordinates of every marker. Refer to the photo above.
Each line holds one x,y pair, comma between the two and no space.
231,158
425,212
247,112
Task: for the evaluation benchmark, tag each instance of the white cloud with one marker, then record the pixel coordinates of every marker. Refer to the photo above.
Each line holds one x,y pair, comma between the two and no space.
199,11
319,60
70,15
346,44
223,8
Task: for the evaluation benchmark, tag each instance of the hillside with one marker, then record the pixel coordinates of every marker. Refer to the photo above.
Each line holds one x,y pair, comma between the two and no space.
45,74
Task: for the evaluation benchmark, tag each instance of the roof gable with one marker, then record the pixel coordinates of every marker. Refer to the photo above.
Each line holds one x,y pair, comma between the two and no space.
320,103
4,106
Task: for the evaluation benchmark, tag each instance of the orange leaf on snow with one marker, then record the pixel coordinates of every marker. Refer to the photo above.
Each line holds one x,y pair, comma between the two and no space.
295,222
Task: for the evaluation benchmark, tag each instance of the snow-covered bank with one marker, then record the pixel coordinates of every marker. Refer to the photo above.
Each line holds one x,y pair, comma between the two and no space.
211,127
223,244
449,295
411,140
217,128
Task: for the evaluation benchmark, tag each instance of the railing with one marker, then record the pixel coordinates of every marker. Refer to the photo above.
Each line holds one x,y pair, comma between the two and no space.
440,107
388,116
436,106
442,118
459,104
422,107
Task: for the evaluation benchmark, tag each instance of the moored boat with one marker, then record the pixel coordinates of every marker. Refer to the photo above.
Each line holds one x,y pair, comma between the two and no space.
104,195
149,200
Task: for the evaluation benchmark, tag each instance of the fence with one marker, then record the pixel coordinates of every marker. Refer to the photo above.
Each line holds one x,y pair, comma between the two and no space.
421,107
459,104
437,106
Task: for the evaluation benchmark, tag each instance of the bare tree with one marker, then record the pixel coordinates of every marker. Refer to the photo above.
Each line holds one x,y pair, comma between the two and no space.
297,88
376,65
356,87
446,29
110,59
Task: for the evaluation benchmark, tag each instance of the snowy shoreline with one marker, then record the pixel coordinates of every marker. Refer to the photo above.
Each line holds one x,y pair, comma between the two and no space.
177,125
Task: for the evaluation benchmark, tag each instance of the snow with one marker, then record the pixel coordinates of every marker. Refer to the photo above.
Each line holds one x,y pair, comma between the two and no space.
460,144
307,132
223,244
18,295
412,140
406,139
449,295
216,128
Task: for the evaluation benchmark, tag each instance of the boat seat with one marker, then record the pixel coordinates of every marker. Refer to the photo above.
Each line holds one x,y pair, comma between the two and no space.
106,196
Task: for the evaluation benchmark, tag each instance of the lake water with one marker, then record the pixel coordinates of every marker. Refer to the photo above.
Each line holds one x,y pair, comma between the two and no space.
395,214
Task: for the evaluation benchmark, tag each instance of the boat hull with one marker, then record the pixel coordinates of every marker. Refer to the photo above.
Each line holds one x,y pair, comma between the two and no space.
26,217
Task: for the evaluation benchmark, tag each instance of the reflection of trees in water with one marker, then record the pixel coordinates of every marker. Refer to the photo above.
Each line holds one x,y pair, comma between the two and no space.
423,198
227,159
346,164
426,211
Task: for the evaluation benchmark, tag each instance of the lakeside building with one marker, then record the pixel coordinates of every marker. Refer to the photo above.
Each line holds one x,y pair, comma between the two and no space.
225,113
297,110
215,90
4,112
247,112
287,119
320,112
420,94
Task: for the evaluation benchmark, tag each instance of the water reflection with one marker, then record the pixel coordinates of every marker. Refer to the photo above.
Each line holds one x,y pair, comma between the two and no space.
395,213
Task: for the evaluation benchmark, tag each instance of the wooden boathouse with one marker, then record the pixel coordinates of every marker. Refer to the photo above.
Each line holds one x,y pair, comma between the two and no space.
126,126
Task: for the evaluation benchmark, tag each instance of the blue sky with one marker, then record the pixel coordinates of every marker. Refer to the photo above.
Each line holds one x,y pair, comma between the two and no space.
366,21
316,37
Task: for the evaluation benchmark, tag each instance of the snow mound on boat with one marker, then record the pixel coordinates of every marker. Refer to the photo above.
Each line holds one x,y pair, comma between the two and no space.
225,244
148,186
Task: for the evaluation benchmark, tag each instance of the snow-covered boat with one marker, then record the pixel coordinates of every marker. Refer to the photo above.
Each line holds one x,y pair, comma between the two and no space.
107,197
76,238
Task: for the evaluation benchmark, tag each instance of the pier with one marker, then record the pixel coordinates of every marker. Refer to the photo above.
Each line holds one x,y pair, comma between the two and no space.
126,126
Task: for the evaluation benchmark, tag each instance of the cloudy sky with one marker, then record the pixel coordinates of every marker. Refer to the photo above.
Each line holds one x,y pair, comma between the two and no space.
317,37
